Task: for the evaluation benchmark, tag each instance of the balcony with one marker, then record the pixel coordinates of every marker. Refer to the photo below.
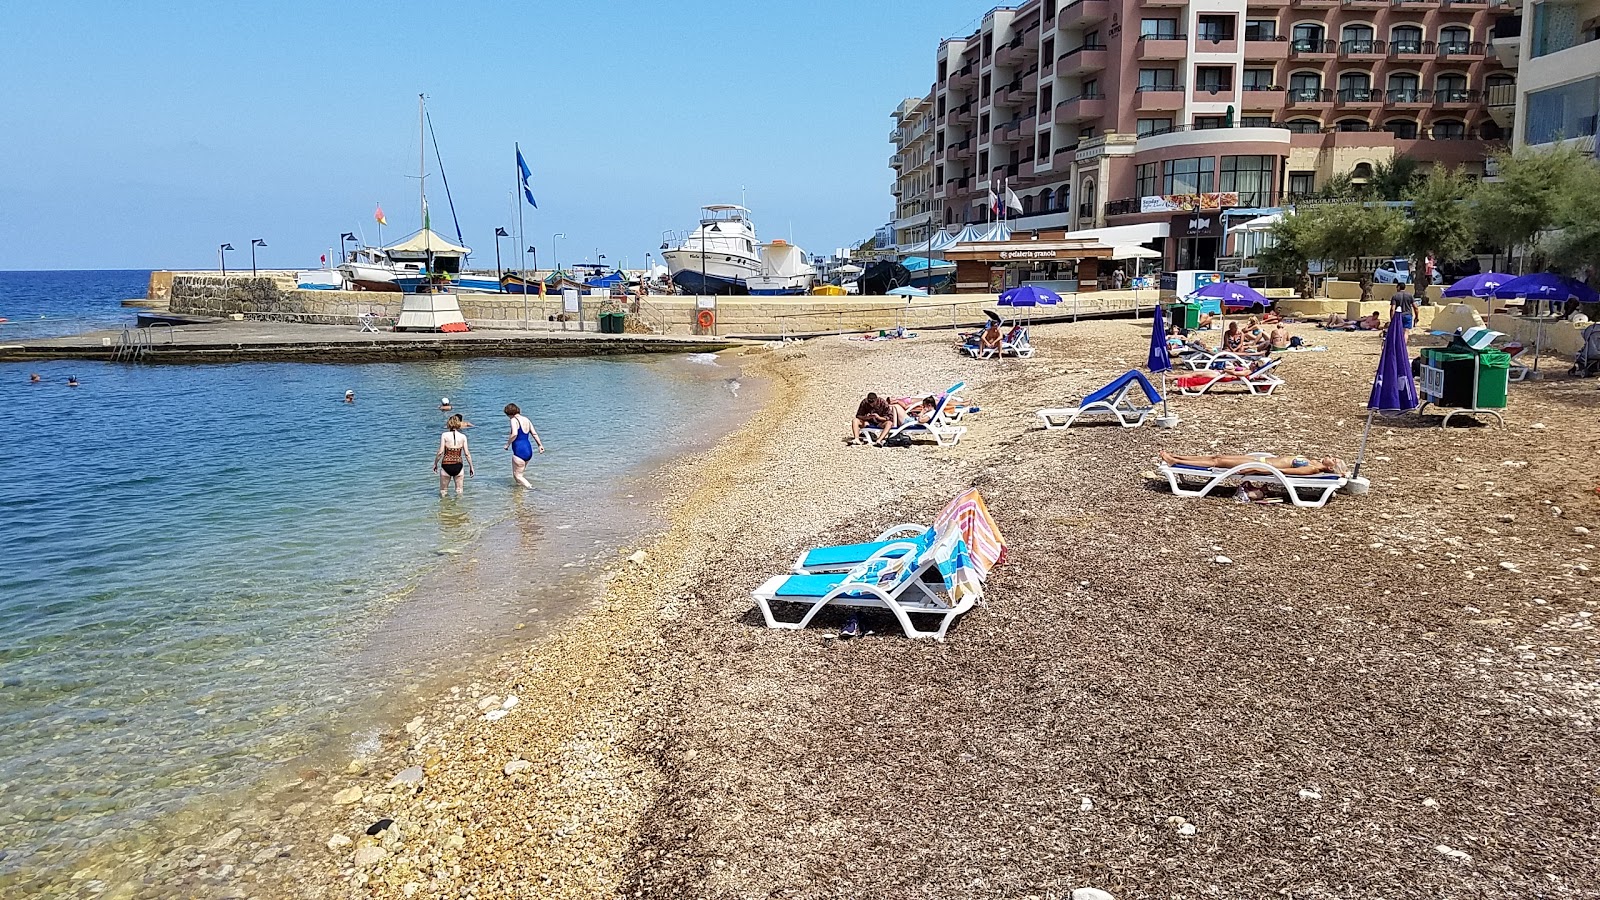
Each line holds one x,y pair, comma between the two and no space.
1159,97
1227,43
1010,54
1502,102
1212,92
1408,98
1459,99
1507,42
1309,98
962,115
1413,51
1009,95
1165,46
1152,3
1266,48
1359,98
1124,207
1083,108
1462,51
1267,4
964,76
1083,12
1417,5
1364,4
1263,99
1305,48
1088,58
1470,5
1362,49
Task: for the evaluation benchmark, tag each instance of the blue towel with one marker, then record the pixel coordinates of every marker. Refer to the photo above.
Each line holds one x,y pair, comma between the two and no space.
854,554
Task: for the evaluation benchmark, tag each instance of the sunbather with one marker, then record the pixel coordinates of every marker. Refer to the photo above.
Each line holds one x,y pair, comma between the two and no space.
991,338
873,412
921,410
1288,465
1231,371
1233,339
1278,340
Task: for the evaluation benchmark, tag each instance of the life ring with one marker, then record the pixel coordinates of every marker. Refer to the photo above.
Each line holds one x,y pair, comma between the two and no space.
706,318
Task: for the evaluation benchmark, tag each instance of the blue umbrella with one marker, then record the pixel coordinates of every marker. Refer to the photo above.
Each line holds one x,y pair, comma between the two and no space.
908,291
1546,286
1160,360
1481,285
1232,294
1393,389
1029,295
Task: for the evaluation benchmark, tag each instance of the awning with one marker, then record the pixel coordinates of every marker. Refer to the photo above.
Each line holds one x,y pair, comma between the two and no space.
427,241
1126,252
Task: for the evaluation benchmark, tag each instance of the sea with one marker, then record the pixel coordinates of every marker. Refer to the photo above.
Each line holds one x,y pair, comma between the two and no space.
209,572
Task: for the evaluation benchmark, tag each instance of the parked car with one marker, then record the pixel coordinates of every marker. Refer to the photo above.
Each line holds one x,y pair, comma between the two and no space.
1398,271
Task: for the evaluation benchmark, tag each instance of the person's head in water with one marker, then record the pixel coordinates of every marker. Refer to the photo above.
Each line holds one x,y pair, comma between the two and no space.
444,403
33,378
72,381
349,396
453,423
513,410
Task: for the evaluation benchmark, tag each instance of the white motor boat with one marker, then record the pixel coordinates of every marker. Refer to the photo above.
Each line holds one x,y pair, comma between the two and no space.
719,257
371,269
784,270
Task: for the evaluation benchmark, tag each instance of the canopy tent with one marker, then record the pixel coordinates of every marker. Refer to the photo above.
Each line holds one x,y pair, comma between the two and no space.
922,263
422,243
1130,252
942,241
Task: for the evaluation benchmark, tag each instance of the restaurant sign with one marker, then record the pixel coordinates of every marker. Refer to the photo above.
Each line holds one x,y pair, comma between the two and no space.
1170,203
1027,254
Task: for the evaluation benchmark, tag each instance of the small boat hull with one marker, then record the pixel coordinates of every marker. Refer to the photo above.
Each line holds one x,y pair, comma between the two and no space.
692,282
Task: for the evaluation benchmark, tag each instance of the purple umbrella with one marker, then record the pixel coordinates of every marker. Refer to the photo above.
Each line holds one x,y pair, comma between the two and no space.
1546,286
1233,295
1160,359
1481,285
1393,389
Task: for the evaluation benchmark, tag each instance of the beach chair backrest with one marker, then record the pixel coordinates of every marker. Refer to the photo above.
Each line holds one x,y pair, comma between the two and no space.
888,574
1264,369
1110,390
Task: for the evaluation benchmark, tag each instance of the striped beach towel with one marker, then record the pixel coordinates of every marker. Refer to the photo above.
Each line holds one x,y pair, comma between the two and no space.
978,530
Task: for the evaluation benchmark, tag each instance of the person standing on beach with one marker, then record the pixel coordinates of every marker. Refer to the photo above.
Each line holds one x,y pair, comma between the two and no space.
452,456
1402,308
518,443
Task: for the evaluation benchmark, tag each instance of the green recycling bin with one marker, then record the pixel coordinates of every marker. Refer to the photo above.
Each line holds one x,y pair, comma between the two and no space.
1471,379
613,322
1191,315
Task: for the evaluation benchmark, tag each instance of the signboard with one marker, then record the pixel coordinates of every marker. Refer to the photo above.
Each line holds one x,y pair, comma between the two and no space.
569,300
1195,225
1188,202
1028,254
1142,283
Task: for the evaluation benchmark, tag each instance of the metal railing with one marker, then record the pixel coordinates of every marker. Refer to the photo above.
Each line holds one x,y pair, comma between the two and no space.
1360,95
1409,95
1461,48
1408,47
1309,95
1157,88
1361,47
1455,95
1300,46
793,325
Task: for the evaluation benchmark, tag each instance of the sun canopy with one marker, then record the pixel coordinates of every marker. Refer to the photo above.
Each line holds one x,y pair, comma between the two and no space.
427,241
1134,253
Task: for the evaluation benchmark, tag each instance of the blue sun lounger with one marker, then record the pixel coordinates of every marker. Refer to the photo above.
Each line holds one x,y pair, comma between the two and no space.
1112,400
844,557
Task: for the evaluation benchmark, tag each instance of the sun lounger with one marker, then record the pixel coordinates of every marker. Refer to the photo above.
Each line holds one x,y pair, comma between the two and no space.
844,557
1260,381
899,584
1013,343
1316,488
1215,359
1112,400
937,427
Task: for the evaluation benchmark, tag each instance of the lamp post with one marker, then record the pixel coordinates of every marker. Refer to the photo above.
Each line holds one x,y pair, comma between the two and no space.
223,260
254,243
555,248
498,234
535,252
346,236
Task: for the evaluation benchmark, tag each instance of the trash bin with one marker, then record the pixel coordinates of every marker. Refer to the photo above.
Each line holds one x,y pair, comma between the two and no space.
1472,379
1191,316
613,322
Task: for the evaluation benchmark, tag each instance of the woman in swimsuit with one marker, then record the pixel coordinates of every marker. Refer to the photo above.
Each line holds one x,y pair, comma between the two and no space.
1288,465
1233,339
452,455
518,444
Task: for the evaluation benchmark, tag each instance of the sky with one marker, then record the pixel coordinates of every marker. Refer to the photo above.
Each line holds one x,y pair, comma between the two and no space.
144,135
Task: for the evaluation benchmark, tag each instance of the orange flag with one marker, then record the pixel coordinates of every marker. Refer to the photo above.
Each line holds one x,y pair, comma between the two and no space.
379,216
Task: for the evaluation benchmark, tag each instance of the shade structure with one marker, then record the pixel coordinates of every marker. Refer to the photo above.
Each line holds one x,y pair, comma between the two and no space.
1134,252
941,241
1160,360
1233,294
1546,286
1480,285
1393,388
848,269
908,291
1029,295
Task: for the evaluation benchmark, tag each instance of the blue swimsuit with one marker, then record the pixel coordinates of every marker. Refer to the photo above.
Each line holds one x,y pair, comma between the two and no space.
521,447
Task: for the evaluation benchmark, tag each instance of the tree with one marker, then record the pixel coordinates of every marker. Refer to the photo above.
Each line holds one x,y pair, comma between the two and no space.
1572,246
1440,224
1511,211
1338,187
1338,232
1394,178
1287,254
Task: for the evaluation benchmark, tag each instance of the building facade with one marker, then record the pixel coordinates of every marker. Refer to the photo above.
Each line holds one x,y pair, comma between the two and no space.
1553,47
912,161
1115,112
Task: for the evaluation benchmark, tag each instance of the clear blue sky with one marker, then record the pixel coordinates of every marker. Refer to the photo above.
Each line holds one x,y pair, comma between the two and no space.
144,135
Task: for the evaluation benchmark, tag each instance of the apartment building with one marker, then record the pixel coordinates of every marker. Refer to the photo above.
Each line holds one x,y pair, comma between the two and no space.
1552,48
912,161
1114,112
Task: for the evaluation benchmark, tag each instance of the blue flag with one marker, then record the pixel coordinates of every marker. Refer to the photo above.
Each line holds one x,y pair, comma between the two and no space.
522,166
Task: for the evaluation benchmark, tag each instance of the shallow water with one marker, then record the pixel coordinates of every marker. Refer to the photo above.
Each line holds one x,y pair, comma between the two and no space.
212,570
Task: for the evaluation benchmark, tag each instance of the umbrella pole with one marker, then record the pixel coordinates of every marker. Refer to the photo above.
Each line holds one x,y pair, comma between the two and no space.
1362,452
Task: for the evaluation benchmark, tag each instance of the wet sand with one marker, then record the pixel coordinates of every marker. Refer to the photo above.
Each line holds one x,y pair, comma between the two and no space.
1392,696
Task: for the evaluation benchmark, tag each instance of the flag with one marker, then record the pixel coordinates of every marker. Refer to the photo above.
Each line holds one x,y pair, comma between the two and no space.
427,220
522,167
324,259
994,200
1012,203
379,217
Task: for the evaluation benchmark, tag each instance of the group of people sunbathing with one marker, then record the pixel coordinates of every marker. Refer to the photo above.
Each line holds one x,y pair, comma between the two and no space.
1256,337
884,414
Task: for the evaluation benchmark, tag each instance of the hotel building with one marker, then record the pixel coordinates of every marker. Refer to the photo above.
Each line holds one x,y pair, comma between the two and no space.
1552,48
1166,113
912,162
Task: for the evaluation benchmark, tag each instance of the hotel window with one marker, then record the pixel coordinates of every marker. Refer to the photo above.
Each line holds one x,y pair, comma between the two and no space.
1187,176
1261,30
1305,86
1044,145
1307,38
1452,88
1255,121
1403,129
1154,126
1145,180
1302,184
1214,29
1406,39
1457,40
1564,112
1257,80
1304,126
1163,29
1206,123
1091,87
1158,79
1214,79
1451,129
1251,176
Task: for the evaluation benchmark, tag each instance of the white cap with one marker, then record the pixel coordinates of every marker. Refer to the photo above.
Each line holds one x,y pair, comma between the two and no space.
444,401
348,393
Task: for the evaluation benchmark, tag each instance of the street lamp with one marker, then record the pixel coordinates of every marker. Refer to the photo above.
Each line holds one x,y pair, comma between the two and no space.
223,260
254,243
498,234
346,236
535,251
555,248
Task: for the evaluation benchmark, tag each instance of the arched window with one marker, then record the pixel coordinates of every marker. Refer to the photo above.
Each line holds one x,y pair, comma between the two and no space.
1451,87
1454,40
1305,86
1404,87
1087,195
1355,87
1027,205
1307,37
1406,39
1404,129
1357,38
1354,125
1044,200
1362,172
1305,126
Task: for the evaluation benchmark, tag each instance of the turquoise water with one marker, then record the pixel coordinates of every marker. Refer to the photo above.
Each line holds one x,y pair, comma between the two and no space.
211,570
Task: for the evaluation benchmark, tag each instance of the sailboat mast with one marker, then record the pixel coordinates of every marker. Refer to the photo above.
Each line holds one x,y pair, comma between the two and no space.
422,173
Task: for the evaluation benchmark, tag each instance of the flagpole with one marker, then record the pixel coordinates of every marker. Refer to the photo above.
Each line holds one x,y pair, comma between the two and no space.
522,245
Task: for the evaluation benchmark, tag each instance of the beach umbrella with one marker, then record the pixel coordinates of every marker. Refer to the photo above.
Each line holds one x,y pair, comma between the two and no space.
1233,294
1029,295
1160,359
1481,285
908,291
1393,389
1547,287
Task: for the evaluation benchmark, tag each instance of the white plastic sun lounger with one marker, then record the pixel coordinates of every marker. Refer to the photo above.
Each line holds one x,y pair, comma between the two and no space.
1112,400
844,557
1199,359
1317,489
937,427
905,596
1261,381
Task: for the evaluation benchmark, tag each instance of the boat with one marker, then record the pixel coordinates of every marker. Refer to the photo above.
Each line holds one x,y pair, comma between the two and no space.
371,269
932,275
319,280
718,257
429,304
784,270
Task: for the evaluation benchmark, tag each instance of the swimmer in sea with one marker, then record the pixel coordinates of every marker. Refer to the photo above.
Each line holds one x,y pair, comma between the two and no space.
444,404
452,455
518,443
33,378
349,396
72,381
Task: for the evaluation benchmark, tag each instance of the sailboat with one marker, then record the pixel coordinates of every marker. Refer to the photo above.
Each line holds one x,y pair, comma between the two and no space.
429,304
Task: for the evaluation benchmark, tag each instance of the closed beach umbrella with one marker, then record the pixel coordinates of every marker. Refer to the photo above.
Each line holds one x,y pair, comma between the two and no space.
1481,285
1393,389
1160,359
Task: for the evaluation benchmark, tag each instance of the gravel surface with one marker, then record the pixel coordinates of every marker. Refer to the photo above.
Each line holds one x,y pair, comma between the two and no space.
1393,696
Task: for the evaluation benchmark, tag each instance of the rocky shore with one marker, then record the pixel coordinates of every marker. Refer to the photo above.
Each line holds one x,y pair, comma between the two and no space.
1393,696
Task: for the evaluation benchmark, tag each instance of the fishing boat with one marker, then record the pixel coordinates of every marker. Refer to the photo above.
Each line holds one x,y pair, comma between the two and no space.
785,269
719,256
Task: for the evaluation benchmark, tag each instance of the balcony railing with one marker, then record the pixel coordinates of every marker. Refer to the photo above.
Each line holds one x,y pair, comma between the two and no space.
1123,207
1153,88
1502,95
1409,95
1355,48
1163,36
1461,48
1360,95
1095,45
1310,95
1410,47
1455,95
1301,46
1177,129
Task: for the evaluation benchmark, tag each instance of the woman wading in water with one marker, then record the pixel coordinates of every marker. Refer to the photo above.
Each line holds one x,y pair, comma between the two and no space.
518,443
452,456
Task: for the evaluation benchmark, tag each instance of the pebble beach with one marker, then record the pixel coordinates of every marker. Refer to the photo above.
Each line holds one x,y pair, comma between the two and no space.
1391,696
